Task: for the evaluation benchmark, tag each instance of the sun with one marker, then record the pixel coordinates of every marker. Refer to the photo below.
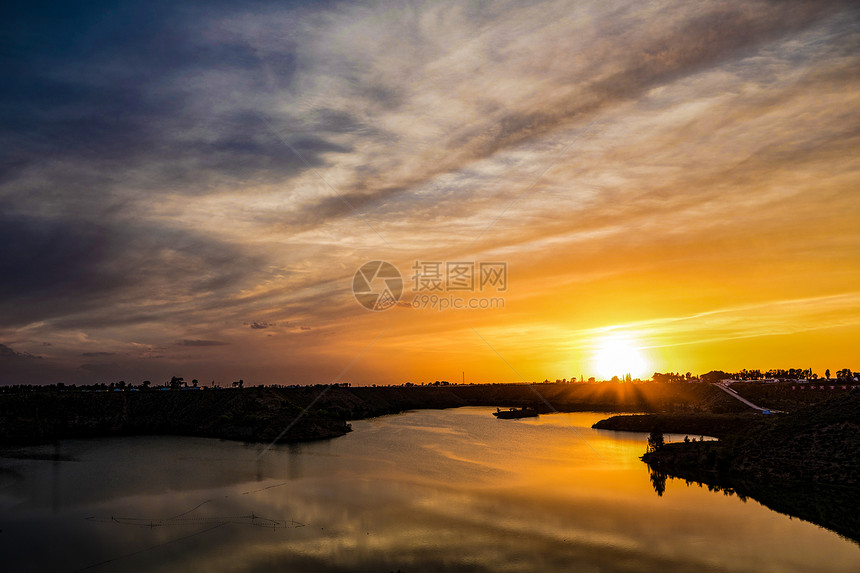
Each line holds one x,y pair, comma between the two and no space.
619,355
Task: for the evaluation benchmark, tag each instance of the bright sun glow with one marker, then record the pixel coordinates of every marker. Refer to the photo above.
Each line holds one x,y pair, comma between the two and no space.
618,356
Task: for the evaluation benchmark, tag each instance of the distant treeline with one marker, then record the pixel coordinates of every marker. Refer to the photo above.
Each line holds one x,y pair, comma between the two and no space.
843,376
176,383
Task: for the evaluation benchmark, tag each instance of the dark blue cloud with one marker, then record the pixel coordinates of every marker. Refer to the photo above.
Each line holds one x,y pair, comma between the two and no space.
114,87
40,257
51,268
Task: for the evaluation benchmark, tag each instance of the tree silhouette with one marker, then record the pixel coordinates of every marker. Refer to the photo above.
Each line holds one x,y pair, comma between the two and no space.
655,440
714,376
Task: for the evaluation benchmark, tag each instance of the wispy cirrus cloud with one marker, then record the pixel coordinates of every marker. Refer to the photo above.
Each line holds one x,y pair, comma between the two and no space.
169,171
770,318
202,342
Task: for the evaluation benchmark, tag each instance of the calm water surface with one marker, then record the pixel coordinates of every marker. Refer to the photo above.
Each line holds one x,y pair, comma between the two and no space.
449,490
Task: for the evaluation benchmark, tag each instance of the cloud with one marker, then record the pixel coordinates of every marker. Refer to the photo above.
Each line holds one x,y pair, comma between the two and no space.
112,369
7,353
25,368
169,170
620,58
97,354
771,318
204,343
113,114
56,268
38,256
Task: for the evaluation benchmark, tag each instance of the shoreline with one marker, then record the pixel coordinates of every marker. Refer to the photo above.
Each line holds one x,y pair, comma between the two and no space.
311,412
701,424
803,464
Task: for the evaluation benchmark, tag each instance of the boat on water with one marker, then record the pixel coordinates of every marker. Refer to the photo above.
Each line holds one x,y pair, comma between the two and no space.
513,413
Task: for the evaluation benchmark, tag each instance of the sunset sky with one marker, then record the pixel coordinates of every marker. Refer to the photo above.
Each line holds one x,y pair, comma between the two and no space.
188,188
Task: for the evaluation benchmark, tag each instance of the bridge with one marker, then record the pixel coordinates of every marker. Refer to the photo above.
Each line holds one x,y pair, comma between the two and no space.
724,386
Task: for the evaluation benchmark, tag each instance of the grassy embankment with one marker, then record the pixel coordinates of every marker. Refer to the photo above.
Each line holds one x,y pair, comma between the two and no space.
805,463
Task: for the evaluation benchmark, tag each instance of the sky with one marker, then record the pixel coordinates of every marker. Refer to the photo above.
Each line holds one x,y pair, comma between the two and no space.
190,188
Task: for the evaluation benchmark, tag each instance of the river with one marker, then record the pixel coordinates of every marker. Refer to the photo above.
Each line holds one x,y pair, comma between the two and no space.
430,490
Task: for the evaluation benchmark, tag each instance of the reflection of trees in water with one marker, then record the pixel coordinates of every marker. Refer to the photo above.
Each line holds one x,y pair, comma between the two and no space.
658,478
828,506
658,481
